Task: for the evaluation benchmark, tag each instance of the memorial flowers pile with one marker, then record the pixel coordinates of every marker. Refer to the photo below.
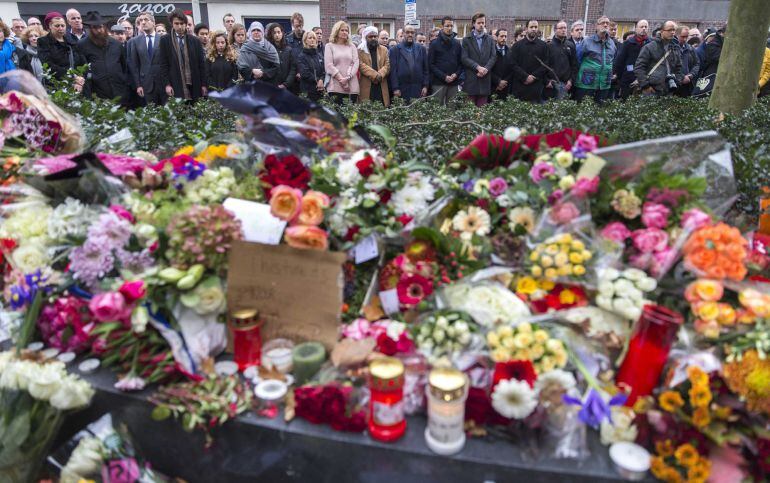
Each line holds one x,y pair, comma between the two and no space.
526,262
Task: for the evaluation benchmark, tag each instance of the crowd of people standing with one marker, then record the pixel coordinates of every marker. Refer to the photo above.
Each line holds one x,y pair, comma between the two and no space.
140,61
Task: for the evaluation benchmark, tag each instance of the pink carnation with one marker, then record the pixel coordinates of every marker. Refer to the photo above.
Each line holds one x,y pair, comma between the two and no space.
650,240
540,171
123,213
585,186
694,219
563,213
616,231
655,215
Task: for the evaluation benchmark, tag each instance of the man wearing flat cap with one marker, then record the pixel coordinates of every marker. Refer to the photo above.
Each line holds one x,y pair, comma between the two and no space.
108,74
118,32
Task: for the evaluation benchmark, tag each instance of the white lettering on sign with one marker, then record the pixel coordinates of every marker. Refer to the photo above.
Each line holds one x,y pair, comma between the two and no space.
133,9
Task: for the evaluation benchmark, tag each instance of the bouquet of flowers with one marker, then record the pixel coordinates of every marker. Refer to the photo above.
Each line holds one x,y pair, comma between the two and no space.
443,334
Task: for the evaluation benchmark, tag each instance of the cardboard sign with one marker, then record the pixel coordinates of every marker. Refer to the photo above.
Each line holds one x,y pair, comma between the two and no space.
298,292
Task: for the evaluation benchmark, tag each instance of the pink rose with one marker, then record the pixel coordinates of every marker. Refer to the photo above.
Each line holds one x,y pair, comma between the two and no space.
585,186
497,186
110,307
122,212
125,470
616,231
563,213
694,219
641,261
650,240
655,215
662,261
133,291
540,171
586,142
285,202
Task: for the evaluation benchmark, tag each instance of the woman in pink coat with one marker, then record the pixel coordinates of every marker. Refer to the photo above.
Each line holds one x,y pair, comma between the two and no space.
341,62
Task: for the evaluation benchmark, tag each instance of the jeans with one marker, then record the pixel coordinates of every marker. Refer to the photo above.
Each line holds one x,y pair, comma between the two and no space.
599,95
444,93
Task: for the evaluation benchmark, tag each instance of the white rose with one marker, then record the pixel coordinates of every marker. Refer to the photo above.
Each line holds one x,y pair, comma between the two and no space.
465,338
451,331
647,284
86,461
621,305
609,274
511,134
427,345
461,327
604,302
139,318
621,427
632,313
606,288
438,335
567,182
634,274
635,295
46,381
30,257
623,286
504,200
73,393
442,322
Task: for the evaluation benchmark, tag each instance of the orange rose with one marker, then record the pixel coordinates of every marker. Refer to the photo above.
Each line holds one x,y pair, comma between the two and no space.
313,205
285,202
307,237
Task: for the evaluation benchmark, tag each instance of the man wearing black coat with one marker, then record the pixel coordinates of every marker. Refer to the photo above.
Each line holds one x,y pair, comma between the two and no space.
502,71
445,63
108,74
563,62
144,61
623,66
530,58
182,61
690,62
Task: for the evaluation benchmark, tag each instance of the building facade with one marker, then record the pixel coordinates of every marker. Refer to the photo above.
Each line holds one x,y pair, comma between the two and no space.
389,14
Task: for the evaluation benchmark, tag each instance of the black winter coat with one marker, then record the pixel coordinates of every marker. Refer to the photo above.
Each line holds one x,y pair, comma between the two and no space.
108,71
59,56
171,74
712,53
503,70
649,57
530,57
444,59
310,64
287,72
221,73
623,66
563,59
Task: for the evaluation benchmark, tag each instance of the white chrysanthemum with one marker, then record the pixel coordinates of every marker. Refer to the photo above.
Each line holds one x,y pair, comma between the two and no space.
504,200
336,223
71,218
27,224
514,399
474,221
347,173
409,201
556,378
511,134
426,188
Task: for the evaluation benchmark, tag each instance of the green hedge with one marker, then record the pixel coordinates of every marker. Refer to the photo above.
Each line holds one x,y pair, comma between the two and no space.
433,133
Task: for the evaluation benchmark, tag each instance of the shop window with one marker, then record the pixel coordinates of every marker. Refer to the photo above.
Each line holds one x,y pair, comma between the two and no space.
381,25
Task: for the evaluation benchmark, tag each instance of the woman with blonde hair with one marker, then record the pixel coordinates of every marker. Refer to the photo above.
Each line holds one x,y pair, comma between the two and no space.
221,60
341,63
29,38
237,37
310,64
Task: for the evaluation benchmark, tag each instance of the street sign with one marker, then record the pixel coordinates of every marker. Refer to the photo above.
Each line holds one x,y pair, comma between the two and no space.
410,10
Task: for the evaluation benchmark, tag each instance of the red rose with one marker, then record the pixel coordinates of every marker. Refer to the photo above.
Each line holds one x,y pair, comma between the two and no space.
352,232
384,196
365,166
483,204
405,219
386,345
287,170
488,151
309,405
478,408
522,370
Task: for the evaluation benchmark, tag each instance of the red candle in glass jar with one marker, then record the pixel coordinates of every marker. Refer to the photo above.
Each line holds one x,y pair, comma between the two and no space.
386,403
648,350
246,327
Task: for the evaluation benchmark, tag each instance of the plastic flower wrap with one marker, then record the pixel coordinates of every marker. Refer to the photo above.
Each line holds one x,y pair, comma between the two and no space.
527,342
488,303
624,292
444,334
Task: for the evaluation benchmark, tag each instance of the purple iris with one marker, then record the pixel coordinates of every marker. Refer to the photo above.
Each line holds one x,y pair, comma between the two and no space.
578,152
20,297
191,170
468,185
594,409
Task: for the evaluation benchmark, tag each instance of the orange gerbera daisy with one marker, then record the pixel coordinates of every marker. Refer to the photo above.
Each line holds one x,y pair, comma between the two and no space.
717,251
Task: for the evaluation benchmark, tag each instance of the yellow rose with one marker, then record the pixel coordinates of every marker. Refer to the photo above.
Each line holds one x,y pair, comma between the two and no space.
546,261
552,249
526,285
561,358
707,310
565,271
537,351
554,345
551,273
564,159
579,270
586,255
493,340
522,354
566,238
577,245
547,364
575,258
534,256
524,327
500,355
560,259
536,271
505,331
541,336
546,285
508,342
522,340
708,290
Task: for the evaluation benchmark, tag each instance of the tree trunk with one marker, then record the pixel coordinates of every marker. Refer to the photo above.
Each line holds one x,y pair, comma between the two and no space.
741,60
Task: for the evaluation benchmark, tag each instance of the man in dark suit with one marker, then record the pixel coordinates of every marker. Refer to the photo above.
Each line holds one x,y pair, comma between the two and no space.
502,71
144,61
409,77
478,58
182,62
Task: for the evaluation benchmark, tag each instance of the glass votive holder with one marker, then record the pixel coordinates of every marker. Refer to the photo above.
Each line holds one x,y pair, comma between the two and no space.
277,355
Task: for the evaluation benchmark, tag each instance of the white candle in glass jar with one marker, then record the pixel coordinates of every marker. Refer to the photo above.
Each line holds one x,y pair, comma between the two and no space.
447,392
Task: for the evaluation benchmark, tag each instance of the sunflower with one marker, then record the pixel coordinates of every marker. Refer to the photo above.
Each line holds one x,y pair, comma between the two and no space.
686,455
750,379
701,417
700,396
670,401
699,472
671,475
664,448
697,376
658,466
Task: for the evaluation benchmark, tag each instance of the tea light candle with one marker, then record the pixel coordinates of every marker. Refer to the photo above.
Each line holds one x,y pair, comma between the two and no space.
308,358
277,355
631,460
225,368
88,366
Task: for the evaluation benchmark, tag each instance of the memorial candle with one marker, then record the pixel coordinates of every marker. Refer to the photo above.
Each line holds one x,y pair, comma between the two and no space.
648,350
308,359
246,328
447,391
386,403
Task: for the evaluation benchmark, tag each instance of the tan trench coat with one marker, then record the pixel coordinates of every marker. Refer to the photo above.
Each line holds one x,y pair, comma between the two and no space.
368,73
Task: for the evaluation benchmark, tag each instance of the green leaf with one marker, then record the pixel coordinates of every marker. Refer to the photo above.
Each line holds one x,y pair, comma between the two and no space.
385,133
160,413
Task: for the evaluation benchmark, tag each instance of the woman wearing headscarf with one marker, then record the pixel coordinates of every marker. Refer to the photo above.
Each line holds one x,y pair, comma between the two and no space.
341,63
374,63
258,58
58,51
287,73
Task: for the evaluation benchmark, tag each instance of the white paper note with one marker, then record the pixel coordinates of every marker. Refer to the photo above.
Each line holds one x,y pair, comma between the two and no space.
366,249
259,225
389,301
